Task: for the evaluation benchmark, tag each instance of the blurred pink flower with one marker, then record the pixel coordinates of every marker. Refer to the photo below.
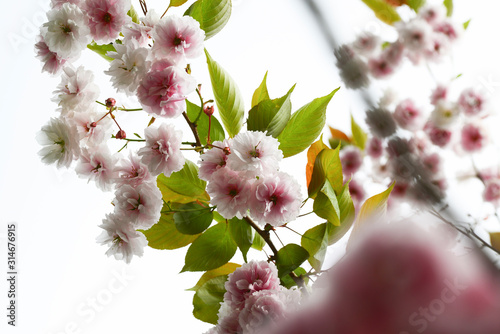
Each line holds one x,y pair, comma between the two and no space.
438,136
351,160
408,116
492,191
374,148
474,137
471,102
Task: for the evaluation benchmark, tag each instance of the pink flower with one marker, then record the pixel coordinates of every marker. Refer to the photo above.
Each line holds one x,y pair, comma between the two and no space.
380,67
106,18
408,116
254,152
366,43
448,29
163,90
97,165
124,241
275,199
248,279
357,192
432,14
58,3
59,144
142,204
471,102
228,319
492,191
439,94
133,172
52,63
141,32
474,137
266,308
415,35
177,38
438,136
162,150
374,148
432,162
230,192
351,160
213,159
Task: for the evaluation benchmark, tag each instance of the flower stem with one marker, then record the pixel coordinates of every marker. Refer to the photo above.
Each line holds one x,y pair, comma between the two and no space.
193,128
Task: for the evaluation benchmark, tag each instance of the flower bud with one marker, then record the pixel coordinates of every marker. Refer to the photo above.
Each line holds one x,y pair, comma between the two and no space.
121,135
110,103
208,110
93,124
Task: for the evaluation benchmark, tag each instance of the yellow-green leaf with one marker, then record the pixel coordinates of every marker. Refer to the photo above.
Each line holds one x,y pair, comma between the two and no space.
358,135
226,269
261,92
312,153
383,11
495,240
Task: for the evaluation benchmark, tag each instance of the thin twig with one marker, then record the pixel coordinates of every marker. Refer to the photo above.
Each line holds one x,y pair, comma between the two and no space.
193,128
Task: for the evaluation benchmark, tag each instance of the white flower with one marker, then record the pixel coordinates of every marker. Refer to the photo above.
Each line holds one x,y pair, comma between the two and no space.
66,33
77,90
124,241
142,204
162,151
97,164
141,32
60,146
133,172
92,128
129,66
254,152
445,114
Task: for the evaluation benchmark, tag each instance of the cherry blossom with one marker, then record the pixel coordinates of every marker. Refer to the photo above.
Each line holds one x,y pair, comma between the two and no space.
230,192
275,199
52,63
123,240
133,172
177,38
97,165
351,160
163,90
162,150
59,144
107,18
474,137
142,204
76,91
471,102
213,159
92,128
142,33
66,33
408,116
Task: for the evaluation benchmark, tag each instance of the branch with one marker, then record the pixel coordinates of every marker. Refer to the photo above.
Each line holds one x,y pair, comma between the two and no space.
193,128
267,238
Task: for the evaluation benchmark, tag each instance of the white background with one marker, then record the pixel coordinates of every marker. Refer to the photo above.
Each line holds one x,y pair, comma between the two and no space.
61,268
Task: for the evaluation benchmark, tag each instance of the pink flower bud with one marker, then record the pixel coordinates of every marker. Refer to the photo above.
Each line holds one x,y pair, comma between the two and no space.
110,102
121,135
208,110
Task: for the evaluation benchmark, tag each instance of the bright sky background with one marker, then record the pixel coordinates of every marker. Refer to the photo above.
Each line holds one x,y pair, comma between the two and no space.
61,268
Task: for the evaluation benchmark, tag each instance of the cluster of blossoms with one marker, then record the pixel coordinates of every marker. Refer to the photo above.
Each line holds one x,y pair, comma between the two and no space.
400,279
244,179
255,300
424,133
426,37
147,62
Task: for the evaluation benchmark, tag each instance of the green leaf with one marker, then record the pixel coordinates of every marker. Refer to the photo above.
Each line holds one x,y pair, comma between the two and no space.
415,4
315,242
226,269
288,282
383,11
241,233
164,235
358,135
449,7
102,50
271,115
260,93
183,186
211,14
133,15
227,97
326,205
177,3
207,299
327,166
216,130
211,250
258,242
466,24
304,126
347,214
192,218
371,210
290,258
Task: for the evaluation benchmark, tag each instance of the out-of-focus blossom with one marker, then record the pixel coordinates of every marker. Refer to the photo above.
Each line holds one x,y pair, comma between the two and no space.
471,102
352,69
438,136
351,160
408,116
474,137
380,122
